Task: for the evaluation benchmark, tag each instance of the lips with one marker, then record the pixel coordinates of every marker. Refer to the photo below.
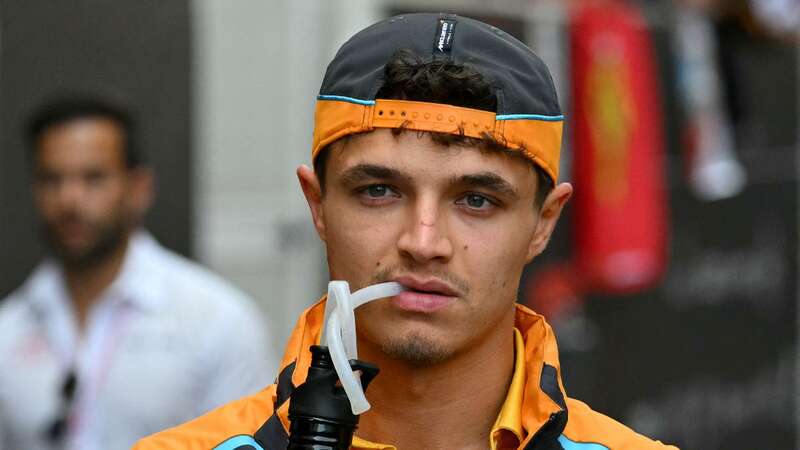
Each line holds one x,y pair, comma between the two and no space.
71,231
424,295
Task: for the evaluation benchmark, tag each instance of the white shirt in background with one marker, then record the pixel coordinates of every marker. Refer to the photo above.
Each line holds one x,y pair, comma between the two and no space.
168,341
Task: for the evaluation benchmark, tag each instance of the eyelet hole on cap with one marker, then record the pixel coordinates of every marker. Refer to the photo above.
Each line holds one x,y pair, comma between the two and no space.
391,112
403,113
427,115
415,115
380,112
452,118
439,117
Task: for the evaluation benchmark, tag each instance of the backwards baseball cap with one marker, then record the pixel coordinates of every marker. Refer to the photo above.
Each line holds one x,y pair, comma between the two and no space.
528,118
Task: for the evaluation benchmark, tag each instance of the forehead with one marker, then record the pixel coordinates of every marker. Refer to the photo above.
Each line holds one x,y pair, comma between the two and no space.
80,143
420,157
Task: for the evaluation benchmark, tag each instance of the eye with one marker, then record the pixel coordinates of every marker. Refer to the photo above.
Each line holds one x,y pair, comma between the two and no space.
476,202
375,194
95,177
377,190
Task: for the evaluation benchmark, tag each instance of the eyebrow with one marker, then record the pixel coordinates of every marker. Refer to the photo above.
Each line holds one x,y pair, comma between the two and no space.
487,180
363,172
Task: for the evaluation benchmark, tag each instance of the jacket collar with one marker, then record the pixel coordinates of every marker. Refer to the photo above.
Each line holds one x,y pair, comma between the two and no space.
507,428
543,406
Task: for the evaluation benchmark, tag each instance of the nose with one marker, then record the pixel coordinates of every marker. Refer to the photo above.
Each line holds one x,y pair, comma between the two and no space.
425,237
71,192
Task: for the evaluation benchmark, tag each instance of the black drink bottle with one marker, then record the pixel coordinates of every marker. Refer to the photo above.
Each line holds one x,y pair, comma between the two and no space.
319,411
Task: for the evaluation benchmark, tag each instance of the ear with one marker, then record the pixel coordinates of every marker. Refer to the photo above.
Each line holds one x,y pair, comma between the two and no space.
313,193
141,191
548,217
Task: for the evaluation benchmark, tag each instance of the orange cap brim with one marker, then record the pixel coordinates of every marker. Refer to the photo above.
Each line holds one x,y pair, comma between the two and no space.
537,137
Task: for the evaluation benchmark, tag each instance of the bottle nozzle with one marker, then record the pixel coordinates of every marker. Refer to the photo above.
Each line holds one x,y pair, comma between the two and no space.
339,333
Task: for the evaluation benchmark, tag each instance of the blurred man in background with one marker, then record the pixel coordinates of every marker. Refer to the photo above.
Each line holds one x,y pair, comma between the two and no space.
113,336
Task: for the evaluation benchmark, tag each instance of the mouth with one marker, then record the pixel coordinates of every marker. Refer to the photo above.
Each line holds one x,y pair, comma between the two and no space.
424,295
69,231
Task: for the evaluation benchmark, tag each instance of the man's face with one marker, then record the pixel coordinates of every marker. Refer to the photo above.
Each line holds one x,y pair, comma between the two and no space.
455,225
81,187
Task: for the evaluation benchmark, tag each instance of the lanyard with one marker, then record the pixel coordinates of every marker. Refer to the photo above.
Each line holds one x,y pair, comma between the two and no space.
105,333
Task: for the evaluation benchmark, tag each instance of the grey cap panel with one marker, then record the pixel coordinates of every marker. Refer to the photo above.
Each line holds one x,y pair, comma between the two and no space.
357,69
512,66
523,82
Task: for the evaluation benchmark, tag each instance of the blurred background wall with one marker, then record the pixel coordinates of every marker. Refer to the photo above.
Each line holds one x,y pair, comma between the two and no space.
701,352
258,66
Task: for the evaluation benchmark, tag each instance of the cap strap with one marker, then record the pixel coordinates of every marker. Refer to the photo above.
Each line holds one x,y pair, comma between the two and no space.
438,117
537,137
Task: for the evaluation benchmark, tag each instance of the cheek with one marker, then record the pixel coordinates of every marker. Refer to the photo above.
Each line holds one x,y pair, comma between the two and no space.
99,201
357,246
103,210
494,260
109,199
51,207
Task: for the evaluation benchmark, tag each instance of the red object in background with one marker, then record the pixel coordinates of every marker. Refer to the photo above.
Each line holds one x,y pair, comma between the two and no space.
620,206
554,291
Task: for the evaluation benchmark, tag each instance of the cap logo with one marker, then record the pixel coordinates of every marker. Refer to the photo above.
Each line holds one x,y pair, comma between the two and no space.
444,36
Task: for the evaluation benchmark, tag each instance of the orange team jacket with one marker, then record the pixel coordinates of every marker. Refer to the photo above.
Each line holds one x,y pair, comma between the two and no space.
536,414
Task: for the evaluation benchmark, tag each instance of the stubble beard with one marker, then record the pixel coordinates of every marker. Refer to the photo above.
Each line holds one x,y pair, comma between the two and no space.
415,349
109,238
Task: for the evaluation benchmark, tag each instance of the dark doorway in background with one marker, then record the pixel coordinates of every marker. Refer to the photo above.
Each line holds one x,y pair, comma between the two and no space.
140,49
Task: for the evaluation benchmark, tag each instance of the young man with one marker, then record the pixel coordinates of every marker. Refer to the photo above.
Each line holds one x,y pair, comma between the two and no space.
436,149
113,337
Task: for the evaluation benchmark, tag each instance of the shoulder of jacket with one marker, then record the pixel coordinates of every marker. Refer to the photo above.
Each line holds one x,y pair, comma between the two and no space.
242,417
590,430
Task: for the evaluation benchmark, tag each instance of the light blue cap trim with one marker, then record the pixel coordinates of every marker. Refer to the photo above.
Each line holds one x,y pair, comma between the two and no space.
357,101
567,444
238,441
529,117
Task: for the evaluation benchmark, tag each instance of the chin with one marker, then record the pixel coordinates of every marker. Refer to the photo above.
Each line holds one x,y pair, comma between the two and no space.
416,350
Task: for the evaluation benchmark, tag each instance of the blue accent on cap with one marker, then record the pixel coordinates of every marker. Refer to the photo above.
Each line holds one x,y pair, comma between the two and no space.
357,101
239,441
529,117
567,444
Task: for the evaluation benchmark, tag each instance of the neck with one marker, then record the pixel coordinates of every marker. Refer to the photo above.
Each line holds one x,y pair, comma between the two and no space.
450,405
86,284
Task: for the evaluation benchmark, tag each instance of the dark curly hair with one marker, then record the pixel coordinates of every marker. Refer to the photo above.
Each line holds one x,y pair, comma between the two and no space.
408,77
66,107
